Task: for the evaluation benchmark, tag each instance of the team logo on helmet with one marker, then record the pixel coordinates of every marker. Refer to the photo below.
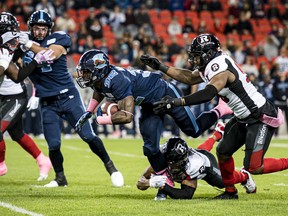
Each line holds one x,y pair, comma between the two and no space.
180,149
99,61
203,39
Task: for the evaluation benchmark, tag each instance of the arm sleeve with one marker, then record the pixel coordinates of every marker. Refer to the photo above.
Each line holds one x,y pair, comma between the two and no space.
185,192
26,71
201,96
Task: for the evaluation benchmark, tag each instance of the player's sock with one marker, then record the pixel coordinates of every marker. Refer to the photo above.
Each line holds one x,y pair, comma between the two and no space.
2,150
45,165
222,109
3,168
227,172
240,177
207,145
97,147
275,164
29,145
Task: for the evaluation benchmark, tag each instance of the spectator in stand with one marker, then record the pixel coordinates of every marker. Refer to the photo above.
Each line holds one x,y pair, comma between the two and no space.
130,23
103,15
202,28
285,14
83,32
246,9
234,8
47,6
95,30
281,61
16,8
265,87
142,17
181,59
65,23
174,47
249,67
117,19
271,46
59,7
280,94
230,26
244,26
89,20
218,25
214,5
230,45
188,27
174,27
258,11
239,55
248,48
104,47
88,45
273,12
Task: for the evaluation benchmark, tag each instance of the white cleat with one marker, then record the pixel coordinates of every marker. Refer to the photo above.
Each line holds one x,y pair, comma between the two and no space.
42,177
250,185
117,179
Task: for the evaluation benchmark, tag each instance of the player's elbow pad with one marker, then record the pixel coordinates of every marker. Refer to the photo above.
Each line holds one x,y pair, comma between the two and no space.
201,96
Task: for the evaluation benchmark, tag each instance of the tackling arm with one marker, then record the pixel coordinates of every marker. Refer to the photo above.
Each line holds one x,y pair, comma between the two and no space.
184,75
187,190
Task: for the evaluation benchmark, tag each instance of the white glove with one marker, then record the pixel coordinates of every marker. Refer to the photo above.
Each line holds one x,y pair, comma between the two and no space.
157,181
33,103
5,58
24,39
44,56
8,36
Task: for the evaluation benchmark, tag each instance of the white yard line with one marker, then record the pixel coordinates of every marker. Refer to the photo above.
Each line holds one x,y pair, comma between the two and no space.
19,210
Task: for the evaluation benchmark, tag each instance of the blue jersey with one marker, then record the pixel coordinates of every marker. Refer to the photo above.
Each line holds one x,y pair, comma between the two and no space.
144,86
51,79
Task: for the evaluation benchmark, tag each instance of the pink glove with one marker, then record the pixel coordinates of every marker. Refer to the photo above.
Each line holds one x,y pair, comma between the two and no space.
44,56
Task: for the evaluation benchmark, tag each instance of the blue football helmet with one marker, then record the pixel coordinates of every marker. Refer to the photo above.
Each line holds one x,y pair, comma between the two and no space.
205,47
175,153
93,66
42,18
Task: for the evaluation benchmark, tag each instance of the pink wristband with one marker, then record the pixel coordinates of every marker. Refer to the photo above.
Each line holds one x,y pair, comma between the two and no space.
92,105
104,120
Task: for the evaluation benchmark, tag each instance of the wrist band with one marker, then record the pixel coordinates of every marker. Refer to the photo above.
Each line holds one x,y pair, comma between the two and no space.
164,68
183,101
29,44
104,120
92,105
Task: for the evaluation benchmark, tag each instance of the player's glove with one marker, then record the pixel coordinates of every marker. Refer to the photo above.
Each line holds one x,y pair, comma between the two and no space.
24,40
154,63
82,120
5,58
165,104
44,56
157,181
33,103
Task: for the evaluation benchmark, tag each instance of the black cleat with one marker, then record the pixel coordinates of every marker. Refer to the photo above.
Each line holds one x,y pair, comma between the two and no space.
227,195
59,181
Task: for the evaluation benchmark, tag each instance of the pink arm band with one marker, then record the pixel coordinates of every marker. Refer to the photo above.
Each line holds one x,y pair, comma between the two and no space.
104,120
92,105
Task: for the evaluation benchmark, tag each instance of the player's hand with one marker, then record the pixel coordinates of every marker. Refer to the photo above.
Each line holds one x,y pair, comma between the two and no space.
24,40
44,56
151,61
33,103
157,181
8,36
83,119
165,104
5,58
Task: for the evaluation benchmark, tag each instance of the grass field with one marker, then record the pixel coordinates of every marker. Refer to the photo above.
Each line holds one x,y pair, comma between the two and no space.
90,191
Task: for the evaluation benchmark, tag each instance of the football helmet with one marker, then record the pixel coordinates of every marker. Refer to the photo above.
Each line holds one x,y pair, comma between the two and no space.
40,17
175,153
9,26
203,49
93,66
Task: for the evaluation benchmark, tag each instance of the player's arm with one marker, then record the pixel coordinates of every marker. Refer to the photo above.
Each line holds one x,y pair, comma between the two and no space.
143,181
182,75
57,49
126,109
187,190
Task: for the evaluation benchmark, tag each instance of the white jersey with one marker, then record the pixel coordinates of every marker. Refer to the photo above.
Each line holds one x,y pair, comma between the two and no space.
241,95
9,87
197,164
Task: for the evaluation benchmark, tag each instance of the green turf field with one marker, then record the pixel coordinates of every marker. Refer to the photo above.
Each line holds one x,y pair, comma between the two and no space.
90,191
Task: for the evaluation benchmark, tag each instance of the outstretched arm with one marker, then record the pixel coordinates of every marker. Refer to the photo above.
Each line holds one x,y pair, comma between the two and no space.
187,190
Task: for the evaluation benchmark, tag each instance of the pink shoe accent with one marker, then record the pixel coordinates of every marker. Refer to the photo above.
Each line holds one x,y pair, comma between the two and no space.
3,168
44,164
222,109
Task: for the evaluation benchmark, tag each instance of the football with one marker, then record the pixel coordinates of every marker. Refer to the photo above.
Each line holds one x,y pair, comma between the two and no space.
109,108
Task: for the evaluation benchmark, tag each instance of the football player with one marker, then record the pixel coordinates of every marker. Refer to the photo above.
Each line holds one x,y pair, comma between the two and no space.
59,97
14,98
130,88
255,120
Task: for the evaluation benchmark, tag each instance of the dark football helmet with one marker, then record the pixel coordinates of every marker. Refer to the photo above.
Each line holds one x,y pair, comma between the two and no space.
175,153
9,25
93,66
205,47
40,17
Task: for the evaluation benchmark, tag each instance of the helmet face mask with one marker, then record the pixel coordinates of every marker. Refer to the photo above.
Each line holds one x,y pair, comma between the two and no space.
93,66
40,24
205,47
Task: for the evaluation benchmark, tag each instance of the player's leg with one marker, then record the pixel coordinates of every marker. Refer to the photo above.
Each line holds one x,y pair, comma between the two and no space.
75,109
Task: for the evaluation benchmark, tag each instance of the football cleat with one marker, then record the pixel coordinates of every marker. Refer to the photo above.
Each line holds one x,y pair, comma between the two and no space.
160,195
59,181
3,168
250,185
227,195
219,130
117,179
